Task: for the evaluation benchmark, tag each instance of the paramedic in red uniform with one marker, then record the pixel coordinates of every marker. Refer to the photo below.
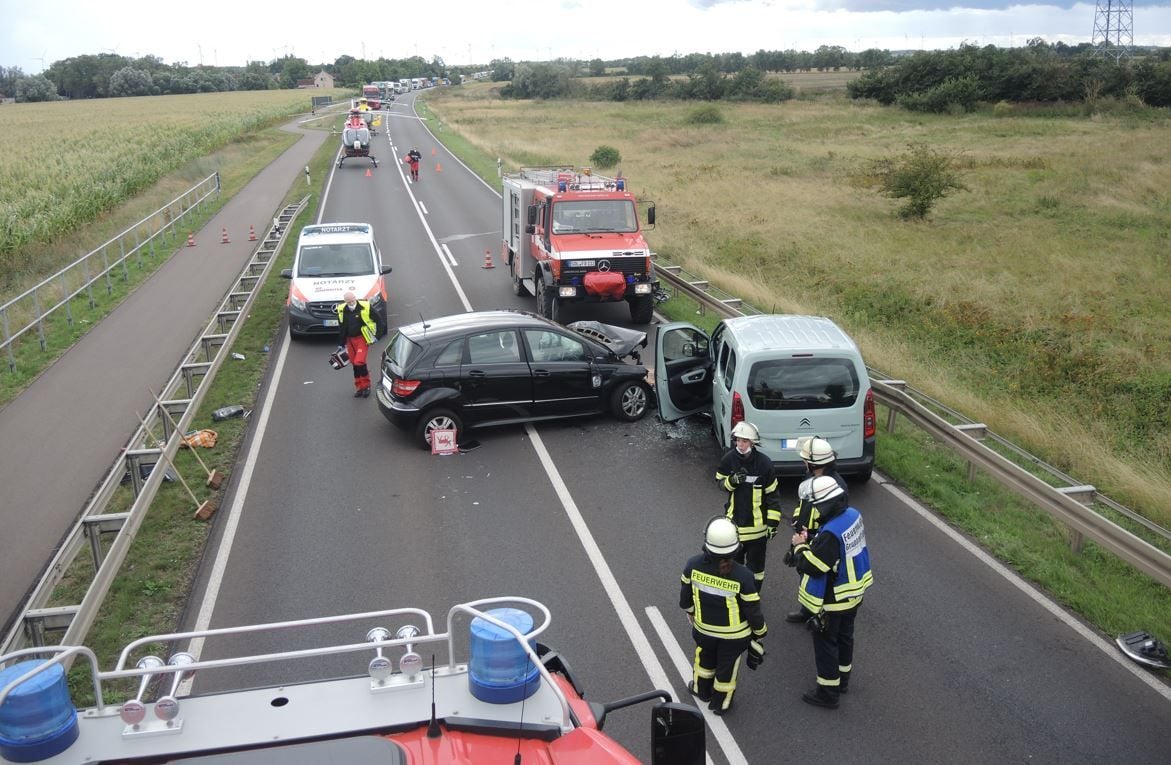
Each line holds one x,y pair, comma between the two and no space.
357,329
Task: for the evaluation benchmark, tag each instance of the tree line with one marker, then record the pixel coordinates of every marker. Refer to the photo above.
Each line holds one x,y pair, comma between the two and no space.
109,75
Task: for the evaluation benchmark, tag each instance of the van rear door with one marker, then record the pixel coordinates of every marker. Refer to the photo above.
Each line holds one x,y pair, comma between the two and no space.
683,371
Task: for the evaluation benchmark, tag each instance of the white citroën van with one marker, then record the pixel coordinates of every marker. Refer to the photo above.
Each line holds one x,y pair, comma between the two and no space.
790,376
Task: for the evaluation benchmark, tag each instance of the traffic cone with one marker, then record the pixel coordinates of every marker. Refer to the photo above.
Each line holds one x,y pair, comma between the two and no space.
438,169
190,238
224,239
432,151
251,234
488,260
368,173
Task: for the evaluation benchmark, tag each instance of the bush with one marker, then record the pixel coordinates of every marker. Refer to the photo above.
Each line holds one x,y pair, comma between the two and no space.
605,156
708,114
921,176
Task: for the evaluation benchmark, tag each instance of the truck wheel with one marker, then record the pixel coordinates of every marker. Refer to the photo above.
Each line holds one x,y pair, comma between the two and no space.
629,401
436,419
642,309
518,286
546,301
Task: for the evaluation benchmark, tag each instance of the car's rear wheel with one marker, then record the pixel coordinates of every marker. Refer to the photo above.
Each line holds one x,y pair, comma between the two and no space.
436,419
629,401
518,286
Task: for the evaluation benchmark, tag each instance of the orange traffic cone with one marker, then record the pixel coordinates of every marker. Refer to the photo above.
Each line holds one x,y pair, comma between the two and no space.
432,151
368,173
190,238
438,169
251,234
224,239
488,260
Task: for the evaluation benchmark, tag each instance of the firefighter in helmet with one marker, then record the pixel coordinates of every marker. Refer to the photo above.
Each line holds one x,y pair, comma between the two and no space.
723,607
834,564
820,459
753,501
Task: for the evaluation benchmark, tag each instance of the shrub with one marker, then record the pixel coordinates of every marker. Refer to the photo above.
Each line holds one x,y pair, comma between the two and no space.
921,176
605,156
708,114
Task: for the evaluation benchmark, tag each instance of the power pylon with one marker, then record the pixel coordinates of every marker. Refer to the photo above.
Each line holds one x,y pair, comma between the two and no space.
1113,28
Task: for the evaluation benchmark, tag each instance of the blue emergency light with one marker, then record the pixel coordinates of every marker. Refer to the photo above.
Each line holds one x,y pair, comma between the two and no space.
562,186
500,671
37,720
621,184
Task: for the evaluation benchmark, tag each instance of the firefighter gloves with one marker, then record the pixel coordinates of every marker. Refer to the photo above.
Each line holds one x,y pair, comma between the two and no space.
755,654
738,477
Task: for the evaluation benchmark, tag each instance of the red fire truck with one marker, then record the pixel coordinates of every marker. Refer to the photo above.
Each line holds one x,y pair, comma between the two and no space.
373,96
573,236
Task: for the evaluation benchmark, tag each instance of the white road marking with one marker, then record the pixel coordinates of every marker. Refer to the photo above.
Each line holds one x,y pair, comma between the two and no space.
447,252
423,208
1040,598
216,578
682,664
642,646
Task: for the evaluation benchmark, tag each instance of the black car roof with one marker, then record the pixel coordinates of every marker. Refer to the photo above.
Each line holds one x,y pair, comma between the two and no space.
446,326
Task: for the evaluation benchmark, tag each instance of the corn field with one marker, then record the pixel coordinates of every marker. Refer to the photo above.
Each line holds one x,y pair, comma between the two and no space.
66,163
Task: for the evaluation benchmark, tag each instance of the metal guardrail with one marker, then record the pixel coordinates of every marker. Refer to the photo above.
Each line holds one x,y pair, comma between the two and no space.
181,398
37,304
1069,502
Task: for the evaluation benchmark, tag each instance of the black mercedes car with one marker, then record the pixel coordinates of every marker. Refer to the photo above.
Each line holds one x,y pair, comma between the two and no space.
473,370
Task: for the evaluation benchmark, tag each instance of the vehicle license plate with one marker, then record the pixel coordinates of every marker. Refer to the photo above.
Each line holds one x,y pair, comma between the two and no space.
788,443
330,322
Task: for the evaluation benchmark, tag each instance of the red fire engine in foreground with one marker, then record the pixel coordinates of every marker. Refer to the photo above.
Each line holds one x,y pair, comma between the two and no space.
572,236
514,700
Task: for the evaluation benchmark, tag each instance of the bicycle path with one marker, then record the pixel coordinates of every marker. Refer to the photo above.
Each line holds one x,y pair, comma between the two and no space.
59,437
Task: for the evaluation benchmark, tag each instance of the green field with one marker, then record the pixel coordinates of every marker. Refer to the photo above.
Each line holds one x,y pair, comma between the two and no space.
68,163
1038,301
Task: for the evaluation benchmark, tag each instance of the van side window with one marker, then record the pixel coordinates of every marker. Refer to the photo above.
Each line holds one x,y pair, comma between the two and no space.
803,383
728,362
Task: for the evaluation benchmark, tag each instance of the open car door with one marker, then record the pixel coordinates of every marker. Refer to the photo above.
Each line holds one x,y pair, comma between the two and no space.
683,371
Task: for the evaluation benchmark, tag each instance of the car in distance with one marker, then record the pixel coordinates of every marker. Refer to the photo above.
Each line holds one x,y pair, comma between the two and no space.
487,368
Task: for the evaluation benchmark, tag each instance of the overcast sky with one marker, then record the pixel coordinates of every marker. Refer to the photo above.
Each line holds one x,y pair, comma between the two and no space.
231,32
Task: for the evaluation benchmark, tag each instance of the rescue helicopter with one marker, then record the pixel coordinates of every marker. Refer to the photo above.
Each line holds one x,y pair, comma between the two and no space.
356,138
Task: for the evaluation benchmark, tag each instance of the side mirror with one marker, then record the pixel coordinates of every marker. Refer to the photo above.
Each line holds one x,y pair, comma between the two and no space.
385,270
677,735
532,220
689,350
530,229
286,273
650,215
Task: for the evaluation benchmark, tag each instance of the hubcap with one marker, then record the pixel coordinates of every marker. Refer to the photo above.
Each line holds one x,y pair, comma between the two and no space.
634,401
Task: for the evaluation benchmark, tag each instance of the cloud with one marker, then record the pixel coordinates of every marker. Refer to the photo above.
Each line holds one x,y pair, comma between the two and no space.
900,6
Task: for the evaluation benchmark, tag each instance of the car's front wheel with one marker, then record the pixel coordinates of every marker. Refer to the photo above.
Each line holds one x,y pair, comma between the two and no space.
433,420
629,401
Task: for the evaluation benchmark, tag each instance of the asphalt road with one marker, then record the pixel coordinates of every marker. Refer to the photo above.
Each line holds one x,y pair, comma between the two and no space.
332,510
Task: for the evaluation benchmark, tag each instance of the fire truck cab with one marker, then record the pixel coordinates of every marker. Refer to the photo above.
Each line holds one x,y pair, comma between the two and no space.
572,236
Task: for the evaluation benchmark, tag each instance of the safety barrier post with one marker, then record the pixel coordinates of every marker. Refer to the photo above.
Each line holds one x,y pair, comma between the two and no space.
40,320
977,431
8,341
67,299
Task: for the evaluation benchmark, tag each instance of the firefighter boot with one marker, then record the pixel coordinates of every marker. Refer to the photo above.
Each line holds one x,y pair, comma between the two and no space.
701,689
721,703
843,682
822,696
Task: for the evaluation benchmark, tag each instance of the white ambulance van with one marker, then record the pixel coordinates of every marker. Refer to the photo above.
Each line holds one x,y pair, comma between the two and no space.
333,259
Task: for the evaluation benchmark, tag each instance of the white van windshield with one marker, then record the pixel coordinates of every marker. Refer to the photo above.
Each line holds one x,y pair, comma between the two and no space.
803,383
356,259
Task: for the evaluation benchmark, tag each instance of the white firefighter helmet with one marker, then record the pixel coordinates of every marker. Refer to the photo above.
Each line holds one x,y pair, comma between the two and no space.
721,537
745,429
816,451
824,488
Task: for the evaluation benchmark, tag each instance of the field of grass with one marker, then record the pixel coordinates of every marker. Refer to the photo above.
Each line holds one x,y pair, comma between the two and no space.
67,163
1038,301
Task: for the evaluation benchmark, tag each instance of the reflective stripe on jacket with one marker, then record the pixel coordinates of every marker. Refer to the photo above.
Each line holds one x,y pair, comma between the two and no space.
850,572
721,605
